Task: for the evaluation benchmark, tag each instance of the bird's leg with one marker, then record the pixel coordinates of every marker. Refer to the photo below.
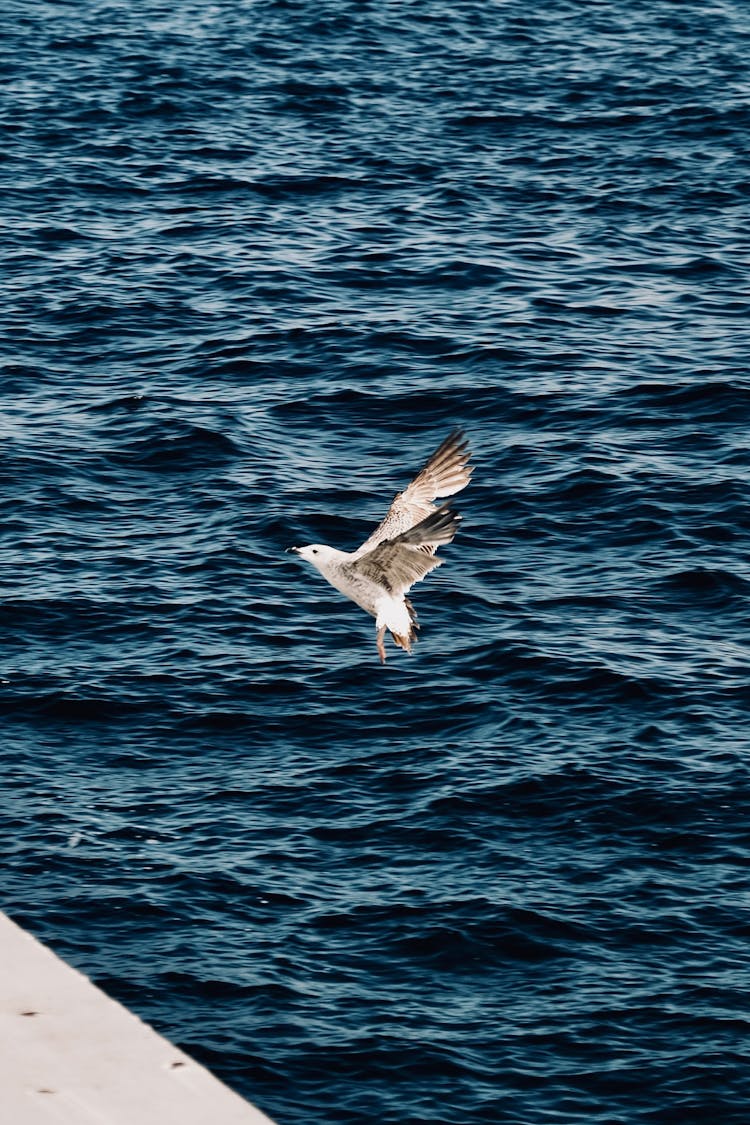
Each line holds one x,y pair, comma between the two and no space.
381,646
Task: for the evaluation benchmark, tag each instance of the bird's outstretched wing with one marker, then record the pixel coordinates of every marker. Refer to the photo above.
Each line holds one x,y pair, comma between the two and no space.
396,564
444,474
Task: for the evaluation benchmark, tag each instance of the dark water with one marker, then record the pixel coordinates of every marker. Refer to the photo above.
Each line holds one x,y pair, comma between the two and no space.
259,258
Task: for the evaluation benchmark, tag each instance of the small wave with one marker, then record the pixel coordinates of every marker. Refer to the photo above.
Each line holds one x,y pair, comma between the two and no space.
705,398
121,402
703,587
58,234
176,448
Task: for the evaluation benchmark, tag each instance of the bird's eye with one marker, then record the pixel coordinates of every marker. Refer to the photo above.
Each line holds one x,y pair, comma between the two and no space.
315,550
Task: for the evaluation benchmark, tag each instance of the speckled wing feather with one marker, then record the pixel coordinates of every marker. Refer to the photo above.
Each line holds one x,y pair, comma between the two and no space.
444,474
396,564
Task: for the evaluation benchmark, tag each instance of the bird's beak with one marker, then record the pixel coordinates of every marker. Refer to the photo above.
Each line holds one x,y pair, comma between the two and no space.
292,550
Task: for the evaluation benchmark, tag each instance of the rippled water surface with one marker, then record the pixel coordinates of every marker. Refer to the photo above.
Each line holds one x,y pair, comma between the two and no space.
259,259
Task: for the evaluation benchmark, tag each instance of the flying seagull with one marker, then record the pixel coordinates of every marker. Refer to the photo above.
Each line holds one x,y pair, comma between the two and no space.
401,550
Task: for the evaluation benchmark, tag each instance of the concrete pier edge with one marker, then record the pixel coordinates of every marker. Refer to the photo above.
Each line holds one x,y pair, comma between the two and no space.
71,1055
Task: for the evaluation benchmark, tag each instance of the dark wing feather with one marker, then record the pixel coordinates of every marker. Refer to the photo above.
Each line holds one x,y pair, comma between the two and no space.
445,473
396,564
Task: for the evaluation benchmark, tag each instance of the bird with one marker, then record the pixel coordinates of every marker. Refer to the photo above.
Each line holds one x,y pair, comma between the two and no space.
401,550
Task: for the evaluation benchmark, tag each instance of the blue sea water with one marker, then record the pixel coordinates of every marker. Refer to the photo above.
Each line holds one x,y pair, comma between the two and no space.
259,258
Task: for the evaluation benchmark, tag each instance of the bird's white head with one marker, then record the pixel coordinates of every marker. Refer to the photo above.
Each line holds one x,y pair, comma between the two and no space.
317,554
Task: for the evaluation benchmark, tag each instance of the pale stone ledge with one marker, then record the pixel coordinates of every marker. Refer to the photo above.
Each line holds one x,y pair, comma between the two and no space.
70,1055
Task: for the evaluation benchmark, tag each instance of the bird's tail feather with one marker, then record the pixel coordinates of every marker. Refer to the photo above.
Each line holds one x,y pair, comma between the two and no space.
405,641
